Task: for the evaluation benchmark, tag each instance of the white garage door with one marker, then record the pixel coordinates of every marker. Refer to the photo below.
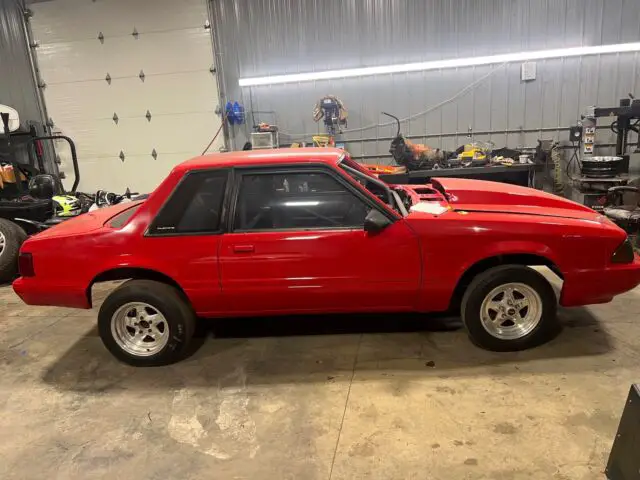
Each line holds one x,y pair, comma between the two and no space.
131,82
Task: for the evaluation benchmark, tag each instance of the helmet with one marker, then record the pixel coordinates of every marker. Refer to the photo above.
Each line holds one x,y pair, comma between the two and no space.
42,186
66,205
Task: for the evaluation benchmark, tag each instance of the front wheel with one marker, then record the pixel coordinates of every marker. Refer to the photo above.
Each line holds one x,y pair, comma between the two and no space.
509,308
146,323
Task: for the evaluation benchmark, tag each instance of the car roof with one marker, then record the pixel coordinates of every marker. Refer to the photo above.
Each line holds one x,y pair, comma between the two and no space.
278,156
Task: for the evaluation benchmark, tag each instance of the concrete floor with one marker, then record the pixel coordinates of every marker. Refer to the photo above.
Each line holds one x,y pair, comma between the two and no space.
314,398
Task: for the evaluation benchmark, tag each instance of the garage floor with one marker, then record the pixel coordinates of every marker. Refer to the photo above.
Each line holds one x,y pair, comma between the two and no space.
307,398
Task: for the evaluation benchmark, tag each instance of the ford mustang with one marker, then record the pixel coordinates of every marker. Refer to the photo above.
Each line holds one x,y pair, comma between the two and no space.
311,231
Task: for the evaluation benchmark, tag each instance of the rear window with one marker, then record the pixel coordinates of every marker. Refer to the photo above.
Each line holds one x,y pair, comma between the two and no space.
123,217
195,207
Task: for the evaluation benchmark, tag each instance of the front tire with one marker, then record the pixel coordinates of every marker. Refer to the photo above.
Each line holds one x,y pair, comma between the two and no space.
146,323
509,308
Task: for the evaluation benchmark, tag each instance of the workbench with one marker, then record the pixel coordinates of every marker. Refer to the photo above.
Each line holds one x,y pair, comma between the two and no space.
516,174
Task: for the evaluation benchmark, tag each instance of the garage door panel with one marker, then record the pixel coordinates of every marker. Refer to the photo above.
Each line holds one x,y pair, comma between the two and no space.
163,94
168,133
76,102
160,94
175,51
52,18
103,171
136,136
156,53
143,174
93,138
140,174
71,62
175,93
186,133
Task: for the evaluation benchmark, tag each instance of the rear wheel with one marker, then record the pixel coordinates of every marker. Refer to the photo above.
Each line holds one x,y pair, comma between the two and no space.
11,238
508,308
146,323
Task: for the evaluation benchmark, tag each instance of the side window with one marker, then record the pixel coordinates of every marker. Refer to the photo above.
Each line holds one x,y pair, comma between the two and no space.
296,201
195,205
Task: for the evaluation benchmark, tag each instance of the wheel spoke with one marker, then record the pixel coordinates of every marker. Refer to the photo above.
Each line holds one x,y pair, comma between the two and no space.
508,296
521,304
494,305
130,321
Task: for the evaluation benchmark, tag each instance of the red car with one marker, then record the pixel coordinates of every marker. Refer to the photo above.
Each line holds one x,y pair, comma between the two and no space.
311,231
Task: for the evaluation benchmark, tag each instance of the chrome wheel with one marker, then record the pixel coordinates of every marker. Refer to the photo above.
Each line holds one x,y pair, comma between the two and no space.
511,311
139,329
3,242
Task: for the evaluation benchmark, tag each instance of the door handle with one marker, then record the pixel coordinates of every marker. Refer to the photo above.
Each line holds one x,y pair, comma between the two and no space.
244,248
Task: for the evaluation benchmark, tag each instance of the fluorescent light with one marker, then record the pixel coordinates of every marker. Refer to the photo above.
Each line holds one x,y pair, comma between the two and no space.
301,204
442,64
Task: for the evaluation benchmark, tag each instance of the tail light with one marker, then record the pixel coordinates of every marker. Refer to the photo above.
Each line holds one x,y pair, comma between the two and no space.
624,253
25,265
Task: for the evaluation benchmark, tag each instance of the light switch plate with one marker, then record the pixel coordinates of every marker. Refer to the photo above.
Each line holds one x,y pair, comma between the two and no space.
528,71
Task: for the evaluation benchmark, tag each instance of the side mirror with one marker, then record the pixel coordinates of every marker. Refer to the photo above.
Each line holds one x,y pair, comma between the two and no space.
375,222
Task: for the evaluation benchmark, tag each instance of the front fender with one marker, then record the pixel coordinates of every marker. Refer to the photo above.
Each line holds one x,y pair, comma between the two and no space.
444,273
512,247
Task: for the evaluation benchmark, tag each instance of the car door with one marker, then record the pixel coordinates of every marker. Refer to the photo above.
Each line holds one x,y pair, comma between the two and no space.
184,238
296,243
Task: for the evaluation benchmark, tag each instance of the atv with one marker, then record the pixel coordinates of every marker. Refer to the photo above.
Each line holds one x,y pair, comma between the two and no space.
30,199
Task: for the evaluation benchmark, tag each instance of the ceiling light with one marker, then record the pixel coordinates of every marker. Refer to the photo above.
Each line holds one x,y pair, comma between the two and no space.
442,64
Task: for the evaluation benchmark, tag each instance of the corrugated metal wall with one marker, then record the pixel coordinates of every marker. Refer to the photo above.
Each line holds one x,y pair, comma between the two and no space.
265,37
17,87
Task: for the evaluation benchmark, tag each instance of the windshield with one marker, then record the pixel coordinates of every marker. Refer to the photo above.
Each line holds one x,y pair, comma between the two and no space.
374,185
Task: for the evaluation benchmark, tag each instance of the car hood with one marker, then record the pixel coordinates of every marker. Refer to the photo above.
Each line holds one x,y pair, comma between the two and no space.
484,196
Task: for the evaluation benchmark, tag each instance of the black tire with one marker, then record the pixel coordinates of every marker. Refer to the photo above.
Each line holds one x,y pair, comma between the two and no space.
484,283
14,236
167,300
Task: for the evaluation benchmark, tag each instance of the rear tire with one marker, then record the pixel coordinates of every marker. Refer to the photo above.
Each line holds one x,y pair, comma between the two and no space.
12,236
146,323
509,308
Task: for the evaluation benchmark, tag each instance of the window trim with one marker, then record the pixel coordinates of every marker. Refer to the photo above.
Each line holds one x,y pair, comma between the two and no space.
289,168
133,205
223,211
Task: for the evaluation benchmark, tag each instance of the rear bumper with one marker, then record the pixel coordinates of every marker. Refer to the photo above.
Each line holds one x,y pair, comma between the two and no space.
34,292
587,287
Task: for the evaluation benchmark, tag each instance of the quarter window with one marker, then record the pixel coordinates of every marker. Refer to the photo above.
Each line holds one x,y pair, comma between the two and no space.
195,206
304,200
